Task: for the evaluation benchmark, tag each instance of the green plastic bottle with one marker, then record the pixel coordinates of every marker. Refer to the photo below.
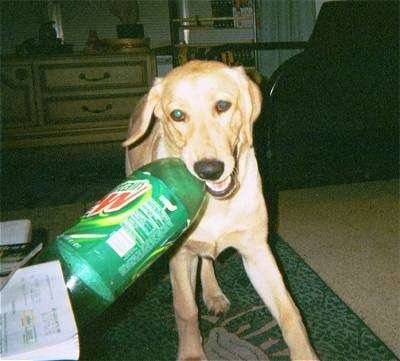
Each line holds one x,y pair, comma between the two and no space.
124,233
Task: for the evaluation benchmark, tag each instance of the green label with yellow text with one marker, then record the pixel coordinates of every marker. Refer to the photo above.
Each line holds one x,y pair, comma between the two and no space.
122,234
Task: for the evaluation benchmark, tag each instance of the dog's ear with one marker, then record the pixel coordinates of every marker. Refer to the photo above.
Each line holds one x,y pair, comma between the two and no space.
143,114
250,103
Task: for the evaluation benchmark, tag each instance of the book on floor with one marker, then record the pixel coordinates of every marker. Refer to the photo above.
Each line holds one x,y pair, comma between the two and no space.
16,247
36,319
14,232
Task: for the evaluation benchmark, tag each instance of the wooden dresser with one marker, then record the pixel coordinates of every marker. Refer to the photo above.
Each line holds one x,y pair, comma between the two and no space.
71,99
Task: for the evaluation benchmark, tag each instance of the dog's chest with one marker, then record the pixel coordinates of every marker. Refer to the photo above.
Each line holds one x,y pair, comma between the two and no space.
224,224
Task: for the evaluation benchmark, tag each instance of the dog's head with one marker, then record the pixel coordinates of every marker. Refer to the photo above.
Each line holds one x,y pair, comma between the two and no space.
207,111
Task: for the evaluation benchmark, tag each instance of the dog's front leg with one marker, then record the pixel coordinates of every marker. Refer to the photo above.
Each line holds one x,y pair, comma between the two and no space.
264,274
213,296
183,269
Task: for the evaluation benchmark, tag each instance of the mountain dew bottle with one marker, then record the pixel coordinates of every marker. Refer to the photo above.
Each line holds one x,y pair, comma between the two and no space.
124,233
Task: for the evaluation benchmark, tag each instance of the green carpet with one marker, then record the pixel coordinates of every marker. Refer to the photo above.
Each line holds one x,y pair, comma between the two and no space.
141,325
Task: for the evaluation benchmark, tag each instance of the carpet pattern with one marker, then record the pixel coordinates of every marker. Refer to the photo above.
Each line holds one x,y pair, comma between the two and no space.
141,324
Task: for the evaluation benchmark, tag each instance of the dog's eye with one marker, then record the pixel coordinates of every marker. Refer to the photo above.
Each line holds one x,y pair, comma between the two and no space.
178,115
222,106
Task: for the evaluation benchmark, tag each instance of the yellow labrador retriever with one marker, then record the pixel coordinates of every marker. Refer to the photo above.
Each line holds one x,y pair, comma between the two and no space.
203,113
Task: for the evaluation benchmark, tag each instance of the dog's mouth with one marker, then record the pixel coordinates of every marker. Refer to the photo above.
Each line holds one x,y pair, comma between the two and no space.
222,189
225,188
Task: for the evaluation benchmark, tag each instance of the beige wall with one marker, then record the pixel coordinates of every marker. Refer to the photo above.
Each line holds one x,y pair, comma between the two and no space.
20,20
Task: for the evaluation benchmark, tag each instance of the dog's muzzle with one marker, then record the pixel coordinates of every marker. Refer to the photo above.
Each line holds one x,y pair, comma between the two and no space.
222,189
210,170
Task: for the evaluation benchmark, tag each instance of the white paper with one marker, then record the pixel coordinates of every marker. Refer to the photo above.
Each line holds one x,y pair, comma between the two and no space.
36,320
13,232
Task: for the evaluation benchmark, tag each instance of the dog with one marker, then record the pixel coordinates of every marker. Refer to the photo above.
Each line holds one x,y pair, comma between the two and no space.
203,112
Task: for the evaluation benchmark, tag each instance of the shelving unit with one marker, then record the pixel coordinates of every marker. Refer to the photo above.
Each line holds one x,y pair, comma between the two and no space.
198,35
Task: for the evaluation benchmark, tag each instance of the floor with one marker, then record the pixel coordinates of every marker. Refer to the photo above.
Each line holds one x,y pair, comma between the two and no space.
349,234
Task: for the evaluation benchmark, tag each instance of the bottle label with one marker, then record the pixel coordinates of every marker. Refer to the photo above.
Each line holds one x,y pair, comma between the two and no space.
123,233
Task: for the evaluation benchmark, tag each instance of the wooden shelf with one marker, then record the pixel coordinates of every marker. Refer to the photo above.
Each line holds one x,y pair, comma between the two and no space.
209,27
220,24
207,19
211,45
271,45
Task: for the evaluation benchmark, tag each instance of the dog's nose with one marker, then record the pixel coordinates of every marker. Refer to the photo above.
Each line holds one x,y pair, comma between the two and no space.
209,169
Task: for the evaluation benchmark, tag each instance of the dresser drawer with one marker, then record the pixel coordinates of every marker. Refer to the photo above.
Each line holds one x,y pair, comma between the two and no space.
88,76
72,98
72,110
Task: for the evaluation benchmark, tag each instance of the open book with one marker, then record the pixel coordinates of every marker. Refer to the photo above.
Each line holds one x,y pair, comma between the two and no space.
36,319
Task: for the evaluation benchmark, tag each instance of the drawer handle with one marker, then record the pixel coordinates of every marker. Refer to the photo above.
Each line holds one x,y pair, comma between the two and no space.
96,111
83,76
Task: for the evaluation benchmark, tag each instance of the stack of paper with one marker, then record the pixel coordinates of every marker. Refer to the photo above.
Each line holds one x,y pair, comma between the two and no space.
36,320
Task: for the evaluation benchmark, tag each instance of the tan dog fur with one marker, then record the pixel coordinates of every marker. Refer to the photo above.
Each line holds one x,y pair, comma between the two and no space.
238,220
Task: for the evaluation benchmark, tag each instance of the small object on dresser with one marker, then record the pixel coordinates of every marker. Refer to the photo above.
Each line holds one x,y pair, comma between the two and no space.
47,34
130,31
124,45
92,43
46,43
128,13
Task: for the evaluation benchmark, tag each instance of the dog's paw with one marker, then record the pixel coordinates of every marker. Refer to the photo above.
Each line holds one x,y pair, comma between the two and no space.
200,357
217,304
